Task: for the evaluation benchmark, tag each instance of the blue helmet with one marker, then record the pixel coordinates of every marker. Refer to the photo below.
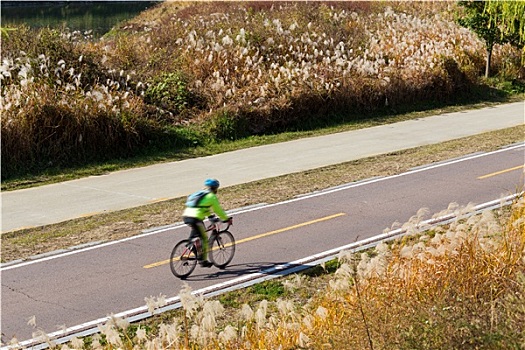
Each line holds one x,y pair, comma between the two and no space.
212,183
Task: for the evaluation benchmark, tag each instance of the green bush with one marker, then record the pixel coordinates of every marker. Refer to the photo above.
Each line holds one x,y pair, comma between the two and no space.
226,125
169,92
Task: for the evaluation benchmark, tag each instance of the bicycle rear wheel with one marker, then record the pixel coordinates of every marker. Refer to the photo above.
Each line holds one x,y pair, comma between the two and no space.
222,249
183,259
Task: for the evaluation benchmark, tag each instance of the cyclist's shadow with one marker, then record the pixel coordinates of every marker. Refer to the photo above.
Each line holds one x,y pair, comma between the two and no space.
238,270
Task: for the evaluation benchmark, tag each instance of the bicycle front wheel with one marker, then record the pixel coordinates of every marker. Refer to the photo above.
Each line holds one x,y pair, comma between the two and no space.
183,259
222,249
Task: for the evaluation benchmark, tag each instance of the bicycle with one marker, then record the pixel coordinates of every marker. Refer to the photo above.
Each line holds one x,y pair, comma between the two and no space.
185,254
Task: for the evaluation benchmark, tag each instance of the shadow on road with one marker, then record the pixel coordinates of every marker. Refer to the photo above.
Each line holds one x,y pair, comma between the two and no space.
239,270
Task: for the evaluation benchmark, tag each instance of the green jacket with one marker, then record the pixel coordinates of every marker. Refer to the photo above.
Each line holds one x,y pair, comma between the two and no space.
207,204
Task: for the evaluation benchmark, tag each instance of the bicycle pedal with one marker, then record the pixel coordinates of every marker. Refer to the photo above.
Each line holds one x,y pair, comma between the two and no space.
205,263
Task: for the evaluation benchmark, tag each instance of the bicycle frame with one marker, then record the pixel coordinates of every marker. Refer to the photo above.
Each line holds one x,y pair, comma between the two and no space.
215,225
186,254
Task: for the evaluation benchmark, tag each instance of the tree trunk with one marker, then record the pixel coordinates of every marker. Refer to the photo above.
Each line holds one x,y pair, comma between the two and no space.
489,59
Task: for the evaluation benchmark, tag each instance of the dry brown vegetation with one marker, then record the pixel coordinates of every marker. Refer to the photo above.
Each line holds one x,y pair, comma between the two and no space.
182,75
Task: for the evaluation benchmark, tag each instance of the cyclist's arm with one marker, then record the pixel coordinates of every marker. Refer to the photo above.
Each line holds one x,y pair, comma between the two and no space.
217,209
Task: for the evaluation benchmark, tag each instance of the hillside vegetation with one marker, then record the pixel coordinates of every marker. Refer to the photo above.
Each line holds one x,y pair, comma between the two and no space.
186,74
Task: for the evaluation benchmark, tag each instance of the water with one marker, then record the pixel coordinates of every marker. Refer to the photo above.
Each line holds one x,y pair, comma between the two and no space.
98,16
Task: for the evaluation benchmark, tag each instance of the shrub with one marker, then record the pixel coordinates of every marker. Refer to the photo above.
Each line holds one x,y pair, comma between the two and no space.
268,62
56,113
66,130
224,125
169,92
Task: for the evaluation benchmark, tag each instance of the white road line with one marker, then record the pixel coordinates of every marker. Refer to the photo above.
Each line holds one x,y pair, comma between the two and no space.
172,303
316,194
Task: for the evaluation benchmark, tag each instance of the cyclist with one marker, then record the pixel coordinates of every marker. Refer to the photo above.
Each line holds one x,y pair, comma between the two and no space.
198,206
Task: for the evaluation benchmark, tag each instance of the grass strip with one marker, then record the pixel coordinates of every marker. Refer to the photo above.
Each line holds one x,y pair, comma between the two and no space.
55,175
25,243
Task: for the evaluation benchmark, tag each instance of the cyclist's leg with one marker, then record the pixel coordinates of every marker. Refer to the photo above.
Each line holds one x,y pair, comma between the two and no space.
198,229
194,230
199,225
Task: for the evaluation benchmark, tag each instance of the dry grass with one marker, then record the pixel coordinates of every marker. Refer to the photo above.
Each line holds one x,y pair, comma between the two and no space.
256,68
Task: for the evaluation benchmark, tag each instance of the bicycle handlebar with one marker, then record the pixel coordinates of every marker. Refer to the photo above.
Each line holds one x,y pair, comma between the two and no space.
214,219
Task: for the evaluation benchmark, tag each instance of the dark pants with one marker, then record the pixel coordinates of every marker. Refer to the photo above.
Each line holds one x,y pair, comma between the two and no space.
198,230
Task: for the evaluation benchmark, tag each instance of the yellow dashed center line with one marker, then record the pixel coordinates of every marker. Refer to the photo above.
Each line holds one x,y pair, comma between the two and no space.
263,235
500,172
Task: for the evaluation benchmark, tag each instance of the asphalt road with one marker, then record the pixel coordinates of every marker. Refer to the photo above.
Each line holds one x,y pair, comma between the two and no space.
84,285
54,203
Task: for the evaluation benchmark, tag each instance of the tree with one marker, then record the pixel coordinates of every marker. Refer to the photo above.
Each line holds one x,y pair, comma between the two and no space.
495,22
510,17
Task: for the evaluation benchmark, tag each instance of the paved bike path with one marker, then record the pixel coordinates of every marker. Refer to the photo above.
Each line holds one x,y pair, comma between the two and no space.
135,187
78,286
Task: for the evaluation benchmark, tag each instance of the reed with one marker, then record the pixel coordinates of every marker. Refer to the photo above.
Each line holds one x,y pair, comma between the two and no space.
227,71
